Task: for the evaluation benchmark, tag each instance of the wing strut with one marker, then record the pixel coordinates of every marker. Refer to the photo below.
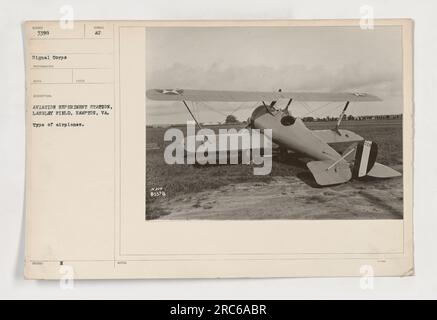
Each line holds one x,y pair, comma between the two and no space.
341,118
194,118
288,104
267,108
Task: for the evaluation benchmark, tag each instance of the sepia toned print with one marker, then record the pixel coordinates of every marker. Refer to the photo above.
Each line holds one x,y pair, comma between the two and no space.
332,98
205,149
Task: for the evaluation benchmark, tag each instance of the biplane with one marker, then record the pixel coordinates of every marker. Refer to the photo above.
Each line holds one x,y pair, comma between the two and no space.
328,166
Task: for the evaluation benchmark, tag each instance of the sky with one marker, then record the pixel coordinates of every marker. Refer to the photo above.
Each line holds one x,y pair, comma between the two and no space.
325,59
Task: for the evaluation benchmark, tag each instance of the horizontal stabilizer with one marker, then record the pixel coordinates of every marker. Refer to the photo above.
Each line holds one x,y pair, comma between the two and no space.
331,136
381,171
327,173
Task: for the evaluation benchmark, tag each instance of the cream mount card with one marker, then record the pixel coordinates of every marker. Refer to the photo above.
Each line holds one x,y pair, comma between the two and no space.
198,149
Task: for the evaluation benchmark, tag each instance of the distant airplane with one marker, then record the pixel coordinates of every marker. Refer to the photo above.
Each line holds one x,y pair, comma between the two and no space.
327,165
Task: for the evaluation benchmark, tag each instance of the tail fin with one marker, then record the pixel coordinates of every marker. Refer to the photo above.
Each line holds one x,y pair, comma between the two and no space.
365,158
365,162
327,173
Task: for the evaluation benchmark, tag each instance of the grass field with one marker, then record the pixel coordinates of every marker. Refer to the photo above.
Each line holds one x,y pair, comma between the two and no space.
182,182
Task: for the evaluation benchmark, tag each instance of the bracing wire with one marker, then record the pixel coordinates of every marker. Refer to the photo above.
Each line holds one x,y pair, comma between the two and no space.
319,108
302,103
251,107
206,106
200,104
238,108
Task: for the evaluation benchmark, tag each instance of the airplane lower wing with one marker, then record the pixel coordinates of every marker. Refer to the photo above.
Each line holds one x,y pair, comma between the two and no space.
331,136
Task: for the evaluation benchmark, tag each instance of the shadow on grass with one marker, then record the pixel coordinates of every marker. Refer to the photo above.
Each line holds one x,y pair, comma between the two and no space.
382,203
307,178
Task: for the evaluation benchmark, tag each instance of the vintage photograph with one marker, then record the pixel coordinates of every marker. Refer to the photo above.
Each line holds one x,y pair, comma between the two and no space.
270,123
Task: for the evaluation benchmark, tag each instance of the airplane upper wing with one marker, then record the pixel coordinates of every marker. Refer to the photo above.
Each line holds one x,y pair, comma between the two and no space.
247,96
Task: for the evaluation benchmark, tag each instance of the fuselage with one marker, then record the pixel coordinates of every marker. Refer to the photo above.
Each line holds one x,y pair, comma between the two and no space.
292,133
